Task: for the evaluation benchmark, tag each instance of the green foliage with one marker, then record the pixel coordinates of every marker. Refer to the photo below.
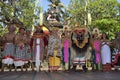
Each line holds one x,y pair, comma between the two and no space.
18,12
105,14
77,11
102,8
3,30
110,26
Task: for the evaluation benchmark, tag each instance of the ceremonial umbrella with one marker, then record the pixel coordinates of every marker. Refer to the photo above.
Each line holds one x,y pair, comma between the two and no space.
45,30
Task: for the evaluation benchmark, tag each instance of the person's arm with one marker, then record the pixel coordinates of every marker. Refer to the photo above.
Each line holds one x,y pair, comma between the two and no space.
102,42
108,43
113,42
4,38
16,41
26,40
91,43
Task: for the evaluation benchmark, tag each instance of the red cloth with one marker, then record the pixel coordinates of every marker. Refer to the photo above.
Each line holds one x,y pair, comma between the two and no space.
45,41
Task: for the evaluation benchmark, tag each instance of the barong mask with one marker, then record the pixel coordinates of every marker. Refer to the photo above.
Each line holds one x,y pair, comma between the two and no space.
81,37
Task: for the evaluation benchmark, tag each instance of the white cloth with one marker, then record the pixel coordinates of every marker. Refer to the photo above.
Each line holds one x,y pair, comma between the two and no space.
105,54
7,61
19,63
37,54
79,60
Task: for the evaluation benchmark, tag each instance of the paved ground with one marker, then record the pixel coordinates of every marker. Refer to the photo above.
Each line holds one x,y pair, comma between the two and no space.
79,75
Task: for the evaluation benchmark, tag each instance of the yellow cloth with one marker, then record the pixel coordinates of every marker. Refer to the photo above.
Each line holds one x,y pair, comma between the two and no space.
54,61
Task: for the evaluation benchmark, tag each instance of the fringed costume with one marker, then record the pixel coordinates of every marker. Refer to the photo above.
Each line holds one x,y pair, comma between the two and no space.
8,53
54,52
20,52
28,52
80,44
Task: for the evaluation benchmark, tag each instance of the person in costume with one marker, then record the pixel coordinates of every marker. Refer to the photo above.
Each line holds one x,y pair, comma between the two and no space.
116,51
66,43
20,41
116,42
80,40
96,52
54,50
9,49
28,49
105,50
45,60
38,47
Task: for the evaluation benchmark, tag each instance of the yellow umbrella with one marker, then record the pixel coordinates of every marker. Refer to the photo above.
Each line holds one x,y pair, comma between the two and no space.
45,30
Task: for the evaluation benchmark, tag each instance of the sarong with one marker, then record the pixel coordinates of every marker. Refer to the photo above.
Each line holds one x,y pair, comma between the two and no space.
8,53
19,56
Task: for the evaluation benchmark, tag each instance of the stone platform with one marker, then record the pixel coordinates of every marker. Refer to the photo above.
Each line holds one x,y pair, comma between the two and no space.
60,75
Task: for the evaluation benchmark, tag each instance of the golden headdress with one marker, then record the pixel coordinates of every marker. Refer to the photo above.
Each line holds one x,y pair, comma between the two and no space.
95,31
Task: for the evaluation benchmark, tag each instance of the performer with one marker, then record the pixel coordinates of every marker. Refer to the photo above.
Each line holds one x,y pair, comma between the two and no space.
54,50
105,51
80,39
66,43
38,47
45,60
46,37
8,53
28,48
20,41
116,51
96,44
116,43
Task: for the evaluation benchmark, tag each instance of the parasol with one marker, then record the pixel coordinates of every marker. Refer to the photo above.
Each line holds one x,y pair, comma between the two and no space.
45,30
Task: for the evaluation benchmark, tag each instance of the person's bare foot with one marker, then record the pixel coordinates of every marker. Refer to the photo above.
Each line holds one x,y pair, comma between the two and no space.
15,70
32,68
2,70
51,70
22,69
26,69
9,70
